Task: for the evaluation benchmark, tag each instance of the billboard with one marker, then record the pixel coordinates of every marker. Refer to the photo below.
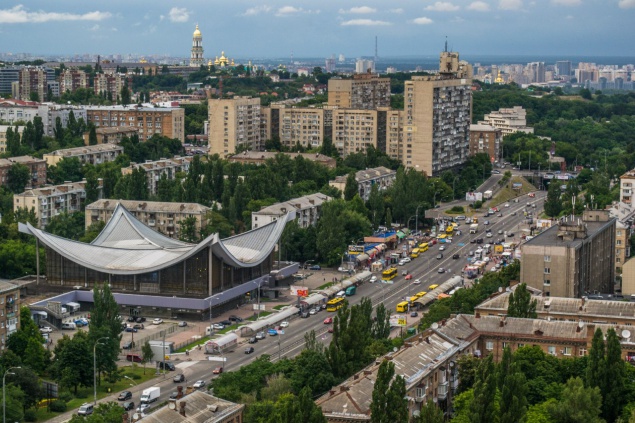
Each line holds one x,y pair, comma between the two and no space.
355,249
473,196
397,320
300,291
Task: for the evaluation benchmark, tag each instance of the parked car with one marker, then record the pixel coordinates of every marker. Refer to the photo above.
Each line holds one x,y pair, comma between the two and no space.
284,324
414,314
140,319
79,323
373,279
46,329
218,326
199,384
314,311
407,259
253,340
328,320
249,350
315,267
226,322
179,378
272,332
125,395
127,406
166,365
304,314
157,321
129,329
260,335
126,345
217,370
235,318
131,318
182,324
138,326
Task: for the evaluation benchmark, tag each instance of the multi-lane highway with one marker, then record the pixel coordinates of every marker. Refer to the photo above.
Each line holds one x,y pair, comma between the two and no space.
424,268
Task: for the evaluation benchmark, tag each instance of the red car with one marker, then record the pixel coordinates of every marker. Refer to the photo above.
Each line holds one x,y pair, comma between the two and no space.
408,277
218,370
331,329
532,195
495,209
328,320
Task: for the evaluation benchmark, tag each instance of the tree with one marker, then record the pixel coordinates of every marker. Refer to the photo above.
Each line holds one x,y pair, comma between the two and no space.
596,370
92,188
103,412
125,94
375,206
513,400
577,404
188,230
73,365
105,323
430,413
483,407
381,323
520,303
553,204
18,176
312,370
14,403
388,403
92,135
27,342
351,189
614,390
146,355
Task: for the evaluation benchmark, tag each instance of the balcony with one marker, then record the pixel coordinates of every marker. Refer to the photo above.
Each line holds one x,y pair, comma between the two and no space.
151,222
442,390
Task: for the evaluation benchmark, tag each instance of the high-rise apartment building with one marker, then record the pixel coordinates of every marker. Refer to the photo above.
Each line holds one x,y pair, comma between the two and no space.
354,130
109,85
536,72
234,124
364,66
32,84
196,57
304,126
72,79
329,64
563,68
437,117
11,74
165,121
364,91
9,311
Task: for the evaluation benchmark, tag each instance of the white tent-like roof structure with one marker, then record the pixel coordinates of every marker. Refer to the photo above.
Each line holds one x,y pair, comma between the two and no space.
127,246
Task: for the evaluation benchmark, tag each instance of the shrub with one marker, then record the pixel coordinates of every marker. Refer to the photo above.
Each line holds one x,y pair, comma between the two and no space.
30,415
66,396
58,406
457,209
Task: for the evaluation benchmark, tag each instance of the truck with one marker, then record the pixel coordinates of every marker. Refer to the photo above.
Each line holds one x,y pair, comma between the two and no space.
150,395
487,195
351,290
474,228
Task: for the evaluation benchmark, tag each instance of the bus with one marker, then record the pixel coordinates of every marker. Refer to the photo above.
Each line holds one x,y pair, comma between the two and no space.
402,307
417,296
442,236
335,304
475,219
414,253
389,274
449,230
423,247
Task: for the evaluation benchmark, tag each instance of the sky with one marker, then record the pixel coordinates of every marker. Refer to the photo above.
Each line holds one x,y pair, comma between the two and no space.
319,28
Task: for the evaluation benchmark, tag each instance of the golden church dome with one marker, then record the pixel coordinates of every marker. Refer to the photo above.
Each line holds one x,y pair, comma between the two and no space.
197,33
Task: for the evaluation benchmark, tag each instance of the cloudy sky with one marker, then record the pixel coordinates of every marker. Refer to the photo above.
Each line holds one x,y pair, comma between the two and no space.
317,28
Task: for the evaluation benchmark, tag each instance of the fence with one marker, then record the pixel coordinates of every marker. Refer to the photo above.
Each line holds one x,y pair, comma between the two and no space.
138,342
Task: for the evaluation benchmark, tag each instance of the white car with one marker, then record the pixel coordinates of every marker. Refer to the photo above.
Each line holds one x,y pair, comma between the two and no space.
442,248
341,294
506,204
142,408
373,279
218,326
157,321
406,260
199,384
416,281
284,324
312,311
489,235
46,329
402,262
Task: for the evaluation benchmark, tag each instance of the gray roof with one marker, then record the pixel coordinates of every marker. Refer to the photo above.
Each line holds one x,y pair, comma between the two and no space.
265,155
368,174
550,236
149,206
89,149
6,286
300,203
127,246
198,409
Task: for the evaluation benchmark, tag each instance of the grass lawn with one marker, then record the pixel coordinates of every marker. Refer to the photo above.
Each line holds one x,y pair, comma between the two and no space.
195,343
262,314
507,194
280,306
134,371
326,285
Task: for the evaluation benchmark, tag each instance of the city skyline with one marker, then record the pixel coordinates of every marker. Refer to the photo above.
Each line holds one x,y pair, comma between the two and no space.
310,29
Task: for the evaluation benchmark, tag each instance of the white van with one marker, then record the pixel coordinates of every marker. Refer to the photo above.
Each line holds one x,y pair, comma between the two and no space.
69,326
85,410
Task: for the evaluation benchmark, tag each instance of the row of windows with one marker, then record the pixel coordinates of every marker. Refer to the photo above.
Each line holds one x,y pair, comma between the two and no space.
551,349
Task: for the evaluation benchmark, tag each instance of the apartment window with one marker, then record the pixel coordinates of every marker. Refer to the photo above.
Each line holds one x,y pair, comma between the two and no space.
489,345
567,351
551,350
547,282
505,345
547,270
521,345
547,258
582,352
619,242
421,392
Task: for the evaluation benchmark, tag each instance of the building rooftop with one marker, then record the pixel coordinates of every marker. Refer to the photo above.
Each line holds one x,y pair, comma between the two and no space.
6,286
367,174
89,149
133,108
20,159
265,155
629,175
200,407
160,164
148,206
553,236
105,130
300,203
483,128
55,189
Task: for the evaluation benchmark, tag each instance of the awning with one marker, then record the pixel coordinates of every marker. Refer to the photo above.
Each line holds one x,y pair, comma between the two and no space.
401,235
372,253
362,257
41,313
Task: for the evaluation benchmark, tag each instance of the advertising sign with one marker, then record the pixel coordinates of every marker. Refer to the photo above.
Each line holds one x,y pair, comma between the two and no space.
300,291
398,320
355,249
473,196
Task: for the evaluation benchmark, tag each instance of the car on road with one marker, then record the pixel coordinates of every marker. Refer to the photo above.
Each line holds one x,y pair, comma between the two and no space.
46,329
373,279
315,267
272,332
514,213
510,234
414,314
408,277
179,378
433,286
304,314
479,241
404,272
473,241
284,324
125,395
328,320
532,195
500,215
339,294
182,324
130,329
252,340
489,235
138,326
500,231
495,209
217,370
218,326
439,256
406,259
416,281
199,384
486,222
260,335
174,395
401,262
496,172
456,257
157,321
128,405
506,204
249,350
142,408
126,345
85,410
442,248
441,270
314,311
234,318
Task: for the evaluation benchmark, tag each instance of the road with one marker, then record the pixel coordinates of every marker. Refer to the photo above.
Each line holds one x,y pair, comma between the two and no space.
291,343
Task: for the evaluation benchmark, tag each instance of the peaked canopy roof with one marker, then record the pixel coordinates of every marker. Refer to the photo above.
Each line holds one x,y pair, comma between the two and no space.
127,246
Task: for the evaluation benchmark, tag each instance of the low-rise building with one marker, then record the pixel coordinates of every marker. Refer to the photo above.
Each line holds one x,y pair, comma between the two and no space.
37,168
198,407
574,258
3,135
51,111
307,210
91,154
380,176
155,170
17,111
165,121
260,157
161,216
9,310
508,120
486,139
50,201
627,185
111,135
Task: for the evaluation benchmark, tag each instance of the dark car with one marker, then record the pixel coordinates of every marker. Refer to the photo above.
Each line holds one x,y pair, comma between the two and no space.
139,326
127,406
127,345
140,319
510,234
479,241
125,395
235,318
315,267
174,395
439,256
179,378
456,257
166,365
472,241
304,314
253,340
131,318
129,329
414,314
249,350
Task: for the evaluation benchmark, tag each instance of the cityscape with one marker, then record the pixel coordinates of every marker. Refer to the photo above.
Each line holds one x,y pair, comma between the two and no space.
364,229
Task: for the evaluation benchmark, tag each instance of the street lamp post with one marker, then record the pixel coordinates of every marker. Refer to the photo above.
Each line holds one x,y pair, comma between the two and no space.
211,326
4,395
95,367
417,218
